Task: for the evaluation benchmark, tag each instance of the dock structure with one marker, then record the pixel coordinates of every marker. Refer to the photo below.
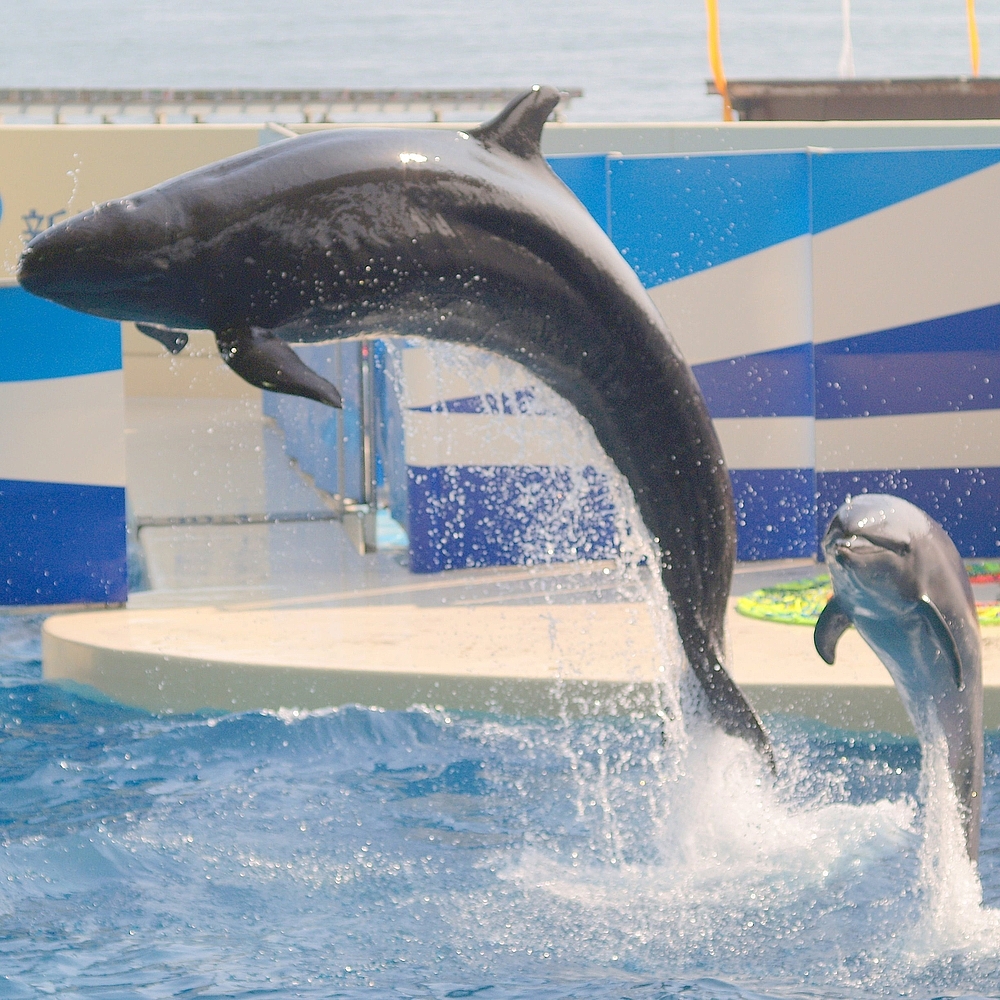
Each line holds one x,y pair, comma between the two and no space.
919,99
207,105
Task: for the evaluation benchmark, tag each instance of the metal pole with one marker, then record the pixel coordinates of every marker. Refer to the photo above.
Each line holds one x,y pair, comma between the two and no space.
369,479
341,466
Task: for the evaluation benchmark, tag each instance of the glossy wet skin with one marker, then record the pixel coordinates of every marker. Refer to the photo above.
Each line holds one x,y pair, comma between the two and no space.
899,579
868,546
468,238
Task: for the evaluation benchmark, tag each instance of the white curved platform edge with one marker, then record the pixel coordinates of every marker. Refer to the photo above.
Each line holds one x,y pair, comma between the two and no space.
534,659
508,659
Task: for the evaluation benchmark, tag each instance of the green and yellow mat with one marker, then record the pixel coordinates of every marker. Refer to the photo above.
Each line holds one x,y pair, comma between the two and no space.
800,602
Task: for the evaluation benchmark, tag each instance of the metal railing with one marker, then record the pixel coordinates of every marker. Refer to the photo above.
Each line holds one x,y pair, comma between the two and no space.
163,106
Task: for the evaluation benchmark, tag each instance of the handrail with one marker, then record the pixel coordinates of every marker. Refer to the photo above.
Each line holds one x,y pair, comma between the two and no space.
199,105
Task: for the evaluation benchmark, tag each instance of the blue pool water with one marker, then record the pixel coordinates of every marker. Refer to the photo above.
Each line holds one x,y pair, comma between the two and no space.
423,854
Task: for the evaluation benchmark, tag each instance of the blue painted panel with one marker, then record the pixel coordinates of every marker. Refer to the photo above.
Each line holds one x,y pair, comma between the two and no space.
506,515
674,216
310,431
770,384
39,339
775,513
351,430
848,185
946,364
587,178
61,544
965,502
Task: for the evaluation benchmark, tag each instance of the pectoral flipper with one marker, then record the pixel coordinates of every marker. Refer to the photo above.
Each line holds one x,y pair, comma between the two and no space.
266,361
173,339
832,624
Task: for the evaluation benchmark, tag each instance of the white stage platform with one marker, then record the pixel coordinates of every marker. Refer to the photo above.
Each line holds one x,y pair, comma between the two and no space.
245,616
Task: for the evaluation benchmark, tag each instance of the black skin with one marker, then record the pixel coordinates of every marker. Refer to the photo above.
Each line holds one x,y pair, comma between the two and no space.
468,238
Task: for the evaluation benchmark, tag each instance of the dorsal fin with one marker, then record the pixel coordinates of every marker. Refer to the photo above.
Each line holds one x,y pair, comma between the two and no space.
518,128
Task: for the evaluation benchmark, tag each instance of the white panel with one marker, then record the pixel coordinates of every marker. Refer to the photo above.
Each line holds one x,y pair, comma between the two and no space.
929,256
913,441
64,430
760,302
767,442
433,372
434,439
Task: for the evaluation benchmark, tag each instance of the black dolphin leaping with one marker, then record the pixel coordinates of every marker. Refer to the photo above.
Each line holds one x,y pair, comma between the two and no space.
464,237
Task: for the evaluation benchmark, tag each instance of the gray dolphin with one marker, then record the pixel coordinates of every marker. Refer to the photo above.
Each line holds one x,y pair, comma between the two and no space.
898,578
461,236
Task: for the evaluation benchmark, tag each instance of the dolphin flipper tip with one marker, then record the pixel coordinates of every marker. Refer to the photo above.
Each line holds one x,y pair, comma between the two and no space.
830,626
264,360
173,339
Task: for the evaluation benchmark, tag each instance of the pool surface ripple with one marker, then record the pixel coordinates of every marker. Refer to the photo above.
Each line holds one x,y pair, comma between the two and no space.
426,854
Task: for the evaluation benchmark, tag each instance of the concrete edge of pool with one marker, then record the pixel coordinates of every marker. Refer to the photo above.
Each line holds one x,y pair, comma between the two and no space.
535,659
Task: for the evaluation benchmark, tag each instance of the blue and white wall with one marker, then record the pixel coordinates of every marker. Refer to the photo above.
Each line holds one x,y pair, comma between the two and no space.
62,455
500,470
723,245
841,312
907,333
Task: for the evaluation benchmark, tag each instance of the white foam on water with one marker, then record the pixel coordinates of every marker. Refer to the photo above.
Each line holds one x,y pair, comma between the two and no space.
745,877
952,918
757,878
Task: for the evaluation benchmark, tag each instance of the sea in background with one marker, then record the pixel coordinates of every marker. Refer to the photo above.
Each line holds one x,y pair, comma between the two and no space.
636,60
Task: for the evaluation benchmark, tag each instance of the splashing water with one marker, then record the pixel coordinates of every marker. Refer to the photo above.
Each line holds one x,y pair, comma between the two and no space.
426,853
952,919
636,852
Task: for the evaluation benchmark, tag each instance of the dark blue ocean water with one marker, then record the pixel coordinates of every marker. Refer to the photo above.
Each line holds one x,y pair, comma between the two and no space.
419,854
637,60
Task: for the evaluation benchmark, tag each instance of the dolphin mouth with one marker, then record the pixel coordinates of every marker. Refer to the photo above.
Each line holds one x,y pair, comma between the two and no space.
848,545
853,546
83,277
51,278
110,298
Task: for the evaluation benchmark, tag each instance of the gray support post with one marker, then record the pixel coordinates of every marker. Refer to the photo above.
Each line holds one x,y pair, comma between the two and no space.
369,479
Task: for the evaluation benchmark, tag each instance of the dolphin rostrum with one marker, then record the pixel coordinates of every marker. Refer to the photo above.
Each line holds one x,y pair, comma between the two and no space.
898,578
460,236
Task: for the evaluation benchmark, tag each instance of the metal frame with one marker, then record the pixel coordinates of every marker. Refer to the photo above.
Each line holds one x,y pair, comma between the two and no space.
162,106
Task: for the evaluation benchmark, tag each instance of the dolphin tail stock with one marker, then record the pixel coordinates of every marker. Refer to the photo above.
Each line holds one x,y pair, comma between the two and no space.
264,360
729,707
